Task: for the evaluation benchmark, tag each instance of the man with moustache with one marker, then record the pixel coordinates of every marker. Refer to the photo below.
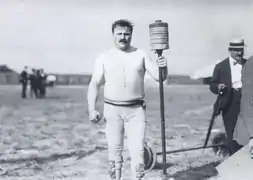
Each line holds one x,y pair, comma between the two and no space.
226,81
122,70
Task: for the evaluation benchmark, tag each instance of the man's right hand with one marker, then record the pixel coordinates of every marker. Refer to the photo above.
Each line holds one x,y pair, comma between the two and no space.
94,116
221,87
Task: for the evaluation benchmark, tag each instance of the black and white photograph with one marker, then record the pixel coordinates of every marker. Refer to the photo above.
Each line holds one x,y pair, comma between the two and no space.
126,89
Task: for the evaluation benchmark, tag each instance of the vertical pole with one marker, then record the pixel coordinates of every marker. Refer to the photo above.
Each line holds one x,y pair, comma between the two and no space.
159,52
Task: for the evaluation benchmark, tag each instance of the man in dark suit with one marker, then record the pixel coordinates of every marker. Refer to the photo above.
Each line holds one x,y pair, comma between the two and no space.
33,84
24,80
226,81
43,79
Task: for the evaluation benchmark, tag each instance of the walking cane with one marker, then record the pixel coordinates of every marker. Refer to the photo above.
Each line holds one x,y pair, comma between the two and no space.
216,112
159,42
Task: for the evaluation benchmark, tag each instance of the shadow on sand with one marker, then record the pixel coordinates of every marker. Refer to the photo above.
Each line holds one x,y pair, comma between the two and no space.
197,173
159,166
53,97
54,157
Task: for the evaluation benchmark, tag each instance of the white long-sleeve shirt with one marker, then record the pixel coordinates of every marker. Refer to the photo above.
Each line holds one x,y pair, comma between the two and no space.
236,73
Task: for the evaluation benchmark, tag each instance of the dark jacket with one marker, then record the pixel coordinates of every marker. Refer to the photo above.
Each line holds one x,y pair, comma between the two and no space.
23,78
222,75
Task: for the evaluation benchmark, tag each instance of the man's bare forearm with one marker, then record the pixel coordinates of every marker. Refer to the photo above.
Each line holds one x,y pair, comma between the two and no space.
92,96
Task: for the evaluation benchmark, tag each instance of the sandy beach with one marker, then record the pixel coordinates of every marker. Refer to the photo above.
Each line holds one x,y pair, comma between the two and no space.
52,138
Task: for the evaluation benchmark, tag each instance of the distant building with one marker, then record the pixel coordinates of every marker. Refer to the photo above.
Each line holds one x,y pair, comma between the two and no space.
204,73
182,79
72,79
8,76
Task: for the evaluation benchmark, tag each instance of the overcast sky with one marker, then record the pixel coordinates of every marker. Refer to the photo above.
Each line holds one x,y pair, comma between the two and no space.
67,35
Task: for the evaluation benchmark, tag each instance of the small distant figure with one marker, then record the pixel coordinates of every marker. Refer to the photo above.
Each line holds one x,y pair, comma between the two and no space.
38,80
43,83
33,84
23,79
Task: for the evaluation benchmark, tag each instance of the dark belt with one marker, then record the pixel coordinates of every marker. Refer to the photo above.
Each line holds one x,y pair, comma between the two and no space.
237,89
131,103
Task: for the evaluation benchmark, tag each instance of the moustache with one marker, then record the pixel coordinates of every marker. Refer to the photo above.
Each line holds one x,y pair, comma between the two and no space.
123,40
239,55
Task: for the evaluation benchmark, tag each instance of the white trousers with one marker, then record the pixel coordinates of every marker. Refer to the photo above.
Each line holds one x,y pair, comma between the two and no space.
132,121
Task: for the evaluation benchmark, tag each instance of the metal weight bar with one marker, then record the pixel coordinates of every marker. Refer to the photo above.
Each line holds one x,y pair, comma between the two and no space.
191,149
150,154
159,53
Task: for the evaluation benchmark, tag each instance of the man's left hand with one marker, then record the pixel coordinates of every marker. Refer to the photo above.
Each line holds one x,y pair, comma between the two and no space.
161,61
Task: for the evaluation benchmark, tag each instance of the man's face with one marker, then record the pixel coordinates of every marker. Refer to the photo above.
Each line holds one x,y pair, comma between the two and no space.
237,54
122,37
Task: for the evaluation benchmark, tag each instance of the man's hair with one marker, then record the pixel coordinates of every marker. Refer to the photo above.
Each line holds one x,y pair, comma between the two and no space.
122,23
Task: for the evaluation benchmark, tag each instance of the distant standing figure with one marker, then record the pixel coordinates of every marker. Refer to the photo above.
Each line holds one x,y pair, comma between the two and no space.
33,84
227,78
43,83
39,82
24,80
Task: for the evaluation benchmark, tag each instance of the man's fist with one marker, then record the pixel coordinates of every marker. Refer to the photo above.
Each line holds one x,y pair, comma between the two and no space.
94,116
221,86
161,61
221,89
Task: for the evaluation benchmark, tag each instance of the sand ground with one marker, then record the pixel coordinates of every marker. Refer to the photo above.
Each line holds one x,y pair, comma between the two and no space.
52,138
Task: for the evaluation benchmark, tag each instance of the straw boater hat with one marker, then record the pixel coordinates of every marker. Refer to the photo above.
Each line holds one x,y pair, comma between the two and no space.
237,43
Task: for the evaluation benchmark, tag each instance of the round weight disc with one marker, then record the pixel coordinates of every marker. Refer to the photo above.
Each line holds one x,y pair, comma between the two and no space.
149,157
152,166
220,139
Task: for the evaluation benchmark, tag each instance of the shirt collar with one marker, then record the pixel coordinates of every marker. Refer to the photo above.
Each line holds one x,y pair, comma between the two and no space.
233,61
